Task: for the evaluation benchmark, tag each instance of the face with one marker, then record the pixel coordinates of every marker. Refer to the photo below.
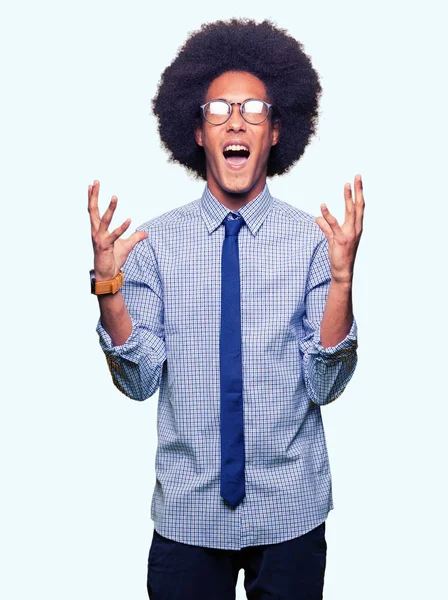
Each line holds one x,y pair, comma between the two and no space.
228,177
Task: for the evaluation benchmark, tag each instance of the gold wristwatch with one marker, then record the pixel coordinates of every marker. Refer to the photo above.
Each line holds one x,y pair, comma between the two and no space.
110,286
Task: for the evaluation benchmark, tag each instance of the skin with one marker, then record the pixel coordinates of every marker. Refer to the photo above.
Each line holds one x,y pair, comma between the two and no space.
110,253
343,241
234,189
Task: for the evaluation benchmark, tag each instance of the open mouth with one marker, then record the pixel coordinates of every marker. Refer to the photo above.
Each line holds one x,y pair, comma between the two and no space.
236,154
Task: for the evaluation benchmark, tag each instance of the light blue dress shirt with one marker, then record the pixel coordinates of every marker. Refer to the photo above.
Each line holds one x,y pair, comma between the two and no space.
172,290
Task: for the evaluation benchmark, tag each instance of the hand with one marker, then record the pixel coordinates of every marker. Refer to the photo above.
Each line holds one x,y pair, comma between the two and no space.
343,241
110,252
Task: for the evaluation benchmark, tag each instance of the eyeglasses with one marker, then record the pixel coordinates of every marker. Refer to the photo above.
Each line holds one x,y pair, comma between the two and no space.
254,111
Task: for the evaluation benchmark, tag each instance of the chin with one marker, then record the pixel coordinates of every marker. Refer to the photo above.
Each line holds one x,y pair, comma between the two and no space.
238,190
238,187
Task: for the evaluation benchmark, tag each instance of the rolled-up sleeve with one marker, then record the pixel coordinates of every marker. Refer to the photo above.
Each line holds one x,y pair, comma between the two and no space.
136,366
326,370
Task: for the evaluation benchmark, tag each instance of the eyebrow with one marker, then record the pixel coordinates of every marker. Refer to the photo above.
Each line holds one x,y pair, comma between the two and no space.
217,99
250,98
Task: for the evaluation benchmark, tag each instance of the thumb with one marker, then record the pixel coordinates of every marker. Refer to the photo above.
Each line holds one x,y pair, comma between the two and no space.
135,238
326,229
122,252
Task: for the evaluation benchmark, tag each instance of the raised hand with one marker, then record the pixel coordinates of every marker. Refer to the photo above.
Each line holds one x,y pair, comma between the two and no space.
343,240
110,252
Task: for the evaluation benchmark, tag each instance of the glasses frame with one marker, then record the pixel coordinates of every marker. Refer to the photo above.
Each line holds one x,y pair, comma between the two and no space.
230,105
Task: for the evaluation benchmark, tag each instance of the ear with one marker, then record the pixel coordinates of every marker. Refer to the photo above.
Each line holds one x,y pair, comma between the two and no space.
198,134
275,132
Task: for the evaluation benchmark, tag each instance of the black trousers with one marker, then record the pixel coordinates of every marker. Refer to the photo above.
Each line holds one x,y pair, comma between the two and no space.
290,570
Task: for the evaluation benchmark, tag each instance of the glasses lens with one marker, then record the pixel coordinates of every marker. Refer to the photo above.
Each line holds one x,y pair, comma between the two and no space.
217,112
255,111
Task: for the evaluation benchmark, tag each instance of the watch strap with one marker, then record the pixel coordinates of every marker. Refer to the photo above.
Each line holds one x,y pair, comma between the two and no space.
111,286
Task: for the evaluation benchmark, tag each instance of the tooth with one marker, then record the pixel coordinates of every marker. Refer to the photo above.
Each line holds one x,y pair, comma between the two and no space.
236,147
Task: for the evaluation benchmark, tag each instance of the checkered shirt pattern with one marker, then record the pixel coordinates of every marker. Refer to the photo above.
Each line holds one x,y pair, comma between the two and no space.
172,290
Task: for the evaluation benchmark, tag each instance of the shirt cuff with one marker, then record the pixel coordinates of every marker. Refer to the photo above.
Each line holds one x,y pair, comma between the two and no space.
342,351
128,350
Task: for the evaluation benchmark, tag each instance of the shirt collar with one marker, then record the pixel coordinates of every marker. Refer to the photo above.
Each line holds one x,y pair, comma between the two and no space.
253,213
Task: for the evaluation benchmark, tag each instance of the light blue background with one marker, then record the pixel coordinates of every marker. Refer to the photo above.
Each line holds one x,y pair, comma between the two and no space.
77,466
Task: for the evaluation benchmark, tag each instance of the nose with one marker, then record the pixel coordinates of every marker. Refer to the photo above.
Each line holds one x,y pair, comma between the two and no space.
236,121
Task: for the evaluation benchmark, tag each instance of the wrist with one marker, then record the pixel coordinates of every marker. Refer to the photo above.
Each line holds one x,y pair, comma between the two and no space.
104,266
105,276
108,286
342,282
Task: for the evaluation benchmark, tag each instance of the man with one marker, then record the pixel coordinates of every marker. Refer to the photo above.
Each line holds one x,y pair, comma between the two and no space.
238,307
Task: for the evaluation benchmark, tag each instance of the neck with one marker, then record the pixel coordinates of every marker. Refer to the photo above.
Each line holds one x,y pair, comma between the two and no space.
235,200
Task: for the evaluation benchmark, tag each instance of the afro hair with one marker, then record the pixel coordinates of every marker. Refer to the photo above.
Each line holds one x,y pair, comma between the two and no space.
262,49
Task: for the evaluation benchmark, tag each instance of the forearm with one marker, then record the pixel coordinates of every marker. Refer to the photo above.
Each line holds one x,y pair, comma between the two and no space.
329,354
115,317
338,314
135,353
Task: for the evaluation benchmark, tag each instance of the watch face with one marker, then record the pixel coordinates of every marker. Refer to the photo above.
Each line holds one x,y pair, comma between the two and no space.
92,281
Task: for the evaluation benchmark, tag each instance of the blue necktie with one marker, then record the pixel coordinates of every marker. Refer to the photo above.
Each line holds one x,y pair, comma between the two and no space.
231,375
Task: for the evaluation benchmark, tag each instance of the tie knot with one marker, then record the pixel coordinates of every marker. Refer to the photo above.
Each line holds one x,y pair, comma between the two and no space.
233,225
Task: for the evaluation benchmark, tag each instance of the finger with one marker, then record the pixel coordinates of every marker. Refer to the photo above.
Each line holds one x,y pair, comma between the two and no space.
124,248
350,210
332,222
92,205
136,237
116,233
359,204
132,241
108,214
326,229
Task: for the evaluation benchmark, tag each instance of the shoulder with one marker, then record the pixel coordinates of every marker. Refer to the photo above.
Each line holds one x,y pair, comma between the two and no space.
171,218
146,251
297,219
292,213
